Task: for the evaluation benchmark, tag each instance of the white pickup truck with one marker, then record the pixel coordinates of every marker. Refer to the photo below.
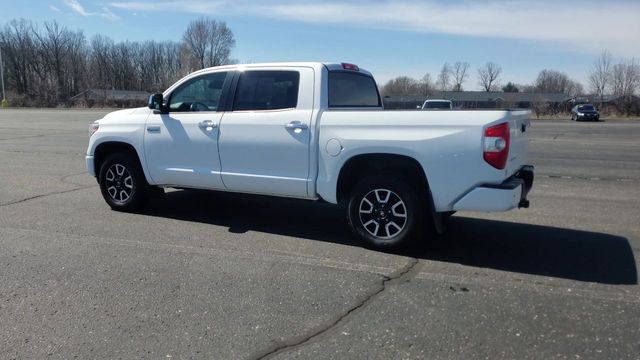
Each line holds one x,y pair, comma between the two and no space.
314,131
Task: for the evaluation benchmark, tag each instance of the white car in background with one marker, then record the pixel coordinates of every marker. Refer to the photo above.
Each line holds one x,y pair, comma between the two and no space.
437,104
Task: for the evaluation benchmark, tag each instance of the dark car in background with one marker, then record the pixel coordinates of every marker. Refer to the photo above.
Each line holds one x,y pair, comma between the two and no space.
585,112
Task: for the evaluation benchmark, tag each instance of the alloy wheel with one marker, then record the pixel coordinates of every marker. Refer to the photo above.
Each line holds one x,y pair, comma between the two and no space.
383,213
119,183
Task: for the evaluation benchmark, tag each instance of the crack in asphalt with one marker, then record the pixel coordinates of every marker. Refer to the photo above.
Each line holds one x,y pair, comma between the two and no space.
588,178
22,137
404,274
64,178
43,152
45,195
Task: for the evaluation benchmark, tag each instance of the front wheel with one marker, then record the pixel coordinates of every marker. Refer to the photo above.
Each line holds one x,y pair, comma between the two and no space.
122,183
386,211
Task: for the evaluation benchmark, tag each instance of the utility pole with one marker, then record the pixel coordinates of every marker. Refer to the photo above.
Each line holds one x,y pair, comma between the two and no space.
4,98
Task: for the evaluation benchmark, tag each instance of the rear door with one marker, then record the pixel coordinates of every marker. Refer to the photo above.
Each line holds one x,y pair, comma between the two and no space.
264,141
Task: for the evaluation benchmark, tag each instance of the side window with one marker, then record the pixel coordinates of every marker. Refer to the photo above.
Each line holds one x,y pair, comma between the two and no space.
347,89
267,90
201,93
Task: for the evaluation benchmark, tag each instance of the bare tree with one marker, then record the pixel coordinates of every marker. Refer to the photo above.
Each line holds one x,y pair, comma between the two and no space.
16,40
209,42
401,86
600,75
48,65
426,85
553,81
444,78
459,72
574,88
62,53
488,76
100,62
625,79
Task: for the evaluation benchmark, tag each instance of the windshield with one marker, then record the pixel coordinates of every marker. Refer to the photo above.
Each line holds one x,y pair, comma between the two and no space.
586,108
437,105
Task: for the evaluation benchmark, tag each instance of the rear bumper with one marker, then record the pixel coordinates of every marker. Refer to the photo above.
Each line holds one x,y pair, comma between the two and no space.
510,194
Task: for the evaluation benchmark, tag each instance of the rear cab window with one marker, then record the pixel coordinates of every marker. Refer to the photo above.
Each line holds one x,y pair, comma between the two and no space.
349,89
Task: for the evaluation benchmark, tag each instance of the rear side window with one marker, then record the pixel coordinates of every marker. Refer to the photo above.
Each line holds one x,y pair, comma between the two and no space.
267,90
348,89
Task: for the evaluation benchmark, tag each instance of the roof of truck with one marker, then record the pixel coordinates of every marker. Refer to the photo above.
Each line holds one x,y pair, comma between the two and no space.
331,66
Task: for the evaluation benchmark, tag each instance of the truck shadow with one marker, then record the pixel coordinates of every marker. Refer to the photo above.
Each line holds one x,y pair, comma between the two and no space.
522,248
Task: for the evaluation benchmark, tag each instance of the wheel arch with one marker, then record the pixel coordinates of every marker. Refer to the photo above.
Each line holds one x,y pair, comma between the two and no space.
110,147
358,165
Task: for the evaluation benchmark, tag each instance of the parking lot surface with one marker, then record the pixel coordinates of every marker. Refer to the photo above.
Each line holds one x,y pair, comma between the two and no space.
215,275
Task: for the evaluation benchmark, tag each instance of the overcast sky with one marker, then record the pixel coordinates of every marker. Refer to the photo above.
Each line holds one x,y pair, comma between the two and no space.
389,38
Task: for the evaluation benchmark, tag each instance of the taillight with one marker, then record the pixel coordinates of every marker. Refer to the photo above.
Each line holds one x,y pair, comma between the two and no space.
496,145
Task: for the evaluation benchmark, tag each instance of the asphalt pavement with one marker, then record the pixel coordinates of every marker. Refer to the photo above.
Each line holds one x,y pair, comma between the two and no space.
225,276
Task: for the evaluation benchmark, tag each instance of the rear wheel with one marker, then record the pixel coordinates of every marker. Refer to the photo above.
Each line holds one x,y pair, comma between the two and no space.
386,211
122,183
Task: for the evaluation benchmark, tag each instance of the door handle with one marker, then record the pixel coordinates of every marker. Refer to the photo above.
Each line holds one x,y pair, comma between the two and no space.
296,125
208,125
153,128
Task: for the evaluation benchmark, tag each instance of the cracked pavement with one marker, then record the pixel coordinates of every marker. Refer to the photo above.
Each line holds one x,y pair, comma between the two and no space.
211,275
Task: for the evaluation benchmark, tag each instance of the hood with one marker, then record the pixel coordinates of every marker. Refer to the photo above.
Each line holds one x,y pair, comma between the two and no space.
125,112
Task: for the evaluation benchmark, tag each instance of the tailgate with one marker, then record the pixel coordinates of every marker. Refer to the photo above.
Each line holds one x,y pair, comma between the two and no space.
519,124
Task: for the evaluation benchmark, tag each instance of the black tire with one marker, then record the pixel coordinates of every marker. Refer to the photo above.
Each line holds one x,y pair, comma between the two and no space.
122,183
377,228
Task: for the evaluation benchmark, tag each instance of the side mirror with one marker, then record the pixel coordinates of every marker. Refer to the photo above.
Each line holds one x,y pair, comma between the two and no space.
156,102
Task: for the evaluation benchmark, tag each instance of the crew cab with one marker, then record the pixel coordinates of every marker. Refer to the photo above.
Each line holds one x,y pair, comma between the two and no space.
314,131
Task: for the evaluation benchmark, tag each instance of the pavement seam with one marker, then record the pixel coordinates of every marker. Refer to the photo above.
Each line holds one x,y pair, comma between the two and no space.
45,195
402,275
588,178
23,137
64,178
291,258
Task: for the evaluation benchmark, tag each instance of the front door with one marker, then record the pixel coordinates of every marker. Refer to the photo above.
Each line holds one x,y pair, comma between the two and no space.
264,141
181,147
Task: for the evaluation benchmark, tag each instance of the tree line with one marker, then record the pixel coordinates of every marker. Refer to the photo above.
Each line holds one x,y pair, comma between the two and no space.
621,80
452,77
48,64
